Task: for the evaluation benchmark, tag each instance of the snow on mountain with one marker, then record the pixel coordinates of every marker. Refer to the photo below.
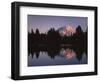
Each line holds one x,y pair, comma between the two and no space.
67,30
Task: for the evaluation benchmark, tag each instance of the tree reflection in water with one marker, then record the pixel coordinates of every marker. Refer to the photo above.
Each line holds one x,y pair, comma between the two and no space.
57,55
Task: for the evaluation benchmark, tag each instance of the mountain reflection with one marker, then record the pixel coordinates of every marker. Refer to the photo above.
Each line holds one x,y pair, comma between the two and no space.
68,52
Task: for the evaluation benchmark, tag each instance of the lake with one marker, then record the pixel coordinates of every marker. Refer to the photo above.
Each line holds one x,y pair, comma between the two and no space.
48,56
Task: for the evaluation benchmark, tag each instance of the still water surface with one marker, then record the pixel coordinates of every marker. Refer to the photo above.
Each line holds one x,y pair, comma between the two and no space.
61,56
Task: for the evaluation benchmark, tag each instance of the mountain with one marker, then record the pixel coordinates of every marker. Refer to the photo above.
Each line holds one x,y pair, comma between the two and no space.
67,30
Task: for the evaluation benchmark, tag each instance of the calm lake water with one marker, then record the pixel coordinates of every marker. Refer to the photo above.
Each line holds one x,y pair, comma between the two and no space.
57,56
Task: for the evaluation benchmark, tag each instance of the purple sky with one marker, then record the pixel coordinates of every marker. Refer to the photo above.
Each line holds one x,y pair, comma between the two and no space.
44,23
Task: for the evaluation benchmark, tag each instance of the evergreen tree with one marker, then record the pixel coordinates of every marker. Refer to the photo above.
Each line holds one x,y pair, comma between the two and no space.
37,31
79,30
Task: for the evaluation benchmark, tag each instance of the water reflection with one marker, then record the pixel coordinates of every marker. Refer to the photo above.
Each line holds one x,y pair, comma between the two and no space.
43,56
69,53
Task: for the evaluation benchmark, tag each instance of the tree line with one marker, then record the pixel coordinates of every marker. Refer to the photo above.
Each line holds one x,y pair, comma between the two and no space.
53,37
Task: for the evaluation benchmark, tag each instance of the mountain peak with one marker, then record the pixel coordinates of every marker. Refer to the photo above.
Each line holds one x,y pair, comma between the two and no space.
67,30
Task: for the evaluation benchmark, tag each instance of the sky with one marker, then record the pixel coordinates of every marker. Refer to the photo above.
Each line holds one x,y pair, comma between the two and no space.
44,23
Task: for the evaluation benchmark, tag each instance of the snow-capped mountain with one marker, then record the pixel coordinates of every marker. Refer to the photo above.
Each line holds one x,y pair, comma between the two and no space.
66,30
